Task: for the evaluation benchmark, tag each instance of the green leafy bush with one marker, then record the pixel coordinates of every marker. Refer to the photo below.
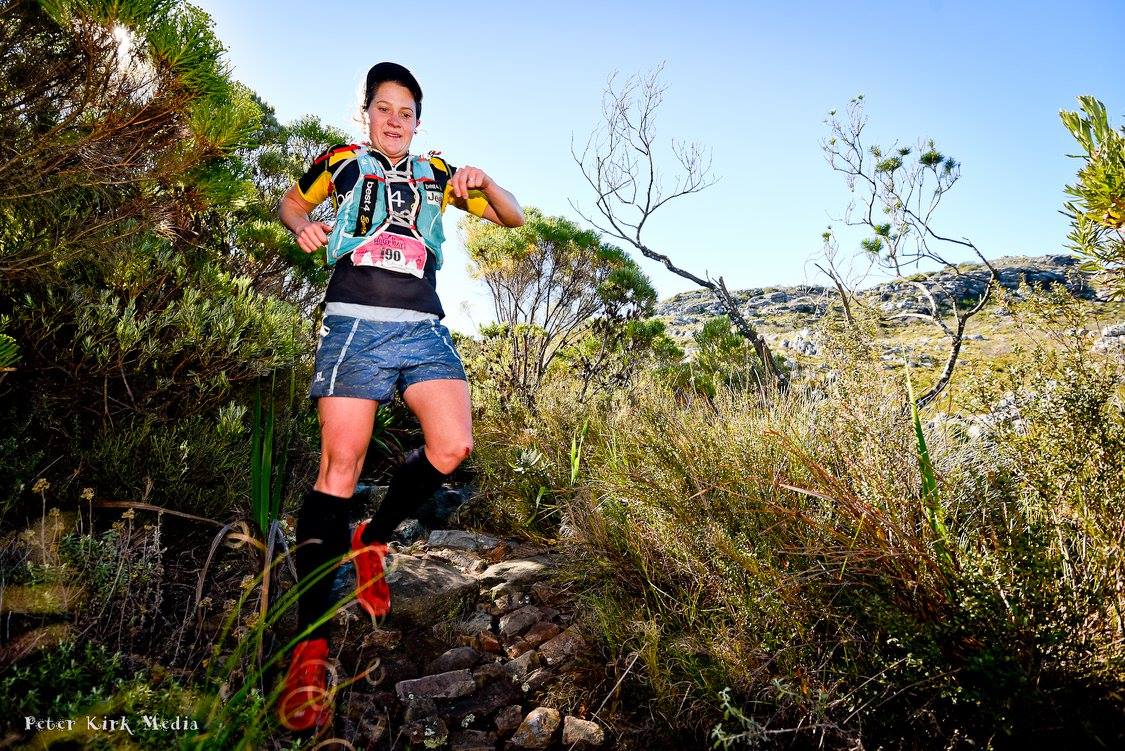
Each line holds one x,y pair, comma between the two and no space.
142,274
1097,211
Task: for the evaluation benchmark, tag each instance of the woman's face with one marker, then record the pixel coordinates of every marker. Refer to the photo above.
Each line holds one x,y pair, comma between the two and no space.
391,119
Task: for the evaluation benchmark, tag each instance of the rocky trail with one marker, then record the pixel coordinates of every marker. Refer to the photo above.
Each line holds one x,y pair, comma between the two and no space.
478,635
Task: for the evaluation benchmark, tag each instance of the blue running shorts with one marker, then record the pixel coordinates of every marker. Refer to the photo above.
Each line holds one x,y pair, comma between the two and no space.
372,359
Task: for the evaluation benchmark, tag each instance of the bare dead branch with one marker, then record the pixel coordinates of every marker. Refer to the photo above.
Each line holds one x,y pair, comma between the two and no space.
908,194
620,164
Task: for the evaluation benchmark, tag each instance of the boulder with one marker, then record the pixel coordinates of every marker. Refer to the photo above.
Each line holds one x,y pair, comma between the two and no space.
425,592
459,539
517,570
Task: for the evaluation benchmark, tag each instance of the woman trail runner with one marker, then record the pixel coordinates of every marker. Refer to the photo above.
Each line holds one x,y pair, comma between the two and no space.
381,333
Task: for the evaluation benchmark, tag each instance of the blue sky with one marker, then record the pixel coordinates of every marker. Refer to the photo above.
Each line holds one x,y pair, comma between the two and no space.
506,84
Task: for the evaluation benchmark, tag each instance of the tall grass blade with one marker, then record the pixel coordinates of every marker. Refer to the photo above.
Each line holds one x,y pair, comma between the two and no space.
935,511
576,443
256,456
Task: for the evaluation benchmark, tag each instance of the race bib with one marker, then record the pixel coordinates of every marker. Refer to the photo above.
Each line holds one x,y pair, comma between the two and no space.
392,252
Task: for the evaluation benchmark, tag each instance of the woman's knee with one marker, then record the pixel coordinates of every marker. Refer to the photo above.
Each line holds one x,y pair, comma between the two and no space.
339,472
446,456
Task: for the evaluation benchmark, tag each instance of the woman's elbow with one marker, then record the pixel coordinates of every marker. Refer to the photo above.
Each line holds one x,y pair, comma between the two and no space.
282,205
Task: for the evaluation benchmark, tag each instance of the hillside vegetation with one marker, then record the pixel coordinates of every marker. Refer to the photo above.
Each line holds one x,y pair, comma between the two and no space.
672,532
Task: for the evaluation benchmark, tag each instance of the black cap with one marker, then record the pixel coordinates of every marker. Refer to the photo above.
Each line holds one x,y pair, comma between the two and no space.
383,72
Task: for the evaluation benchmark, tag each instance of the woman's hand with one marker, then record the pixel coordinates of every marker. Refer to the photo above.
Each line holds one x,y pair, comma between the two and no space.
502,209
469,178
311,236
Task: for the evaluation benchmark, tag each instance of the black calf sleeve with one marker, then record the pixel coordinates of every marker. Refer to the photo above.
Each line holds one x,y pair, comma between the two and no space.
412,484
322,536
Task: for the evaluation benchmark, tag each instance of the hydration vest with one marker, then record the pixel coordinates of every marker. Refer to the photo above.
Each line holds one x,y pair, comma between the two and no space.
362,214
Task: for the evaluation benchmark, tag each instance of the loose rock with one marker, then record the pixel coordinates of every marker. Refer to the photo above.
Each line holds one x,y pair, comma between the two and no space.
519,620
472,740
489,671
517,648
562,647
474,624
426,592
449,685
584,733
541,632
430,732
508,719
536,681
481,705
537,729
457,658
419,708
486,642
507,597
522,665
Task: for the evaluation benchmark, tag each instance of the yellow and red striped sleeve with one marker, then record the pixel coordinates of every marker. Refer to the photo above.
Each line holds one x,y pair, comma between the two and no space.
476,204
316,184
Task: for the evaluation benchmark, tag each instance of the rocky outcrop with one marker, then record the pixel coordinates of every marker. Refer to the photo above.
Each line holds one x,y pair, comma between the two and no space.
1112,339
686,312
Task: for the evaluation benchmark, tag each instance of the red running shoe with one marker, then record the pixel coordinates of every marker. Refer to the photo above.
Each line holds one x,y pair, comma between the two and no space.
370,579
305,702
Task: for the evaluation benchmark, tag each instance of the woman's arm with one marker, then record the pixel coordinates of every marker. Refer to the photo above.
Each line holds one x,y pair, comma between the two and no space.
503,208
294,213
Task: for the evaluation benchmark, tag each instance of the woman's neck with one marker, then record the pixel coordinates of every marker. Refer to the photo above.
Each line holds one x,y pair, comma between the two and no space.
388,157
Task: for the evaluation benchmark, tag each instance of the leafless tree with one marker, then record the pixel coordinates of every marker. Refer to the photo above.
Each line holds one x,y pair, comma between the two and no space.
620,164
897,191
